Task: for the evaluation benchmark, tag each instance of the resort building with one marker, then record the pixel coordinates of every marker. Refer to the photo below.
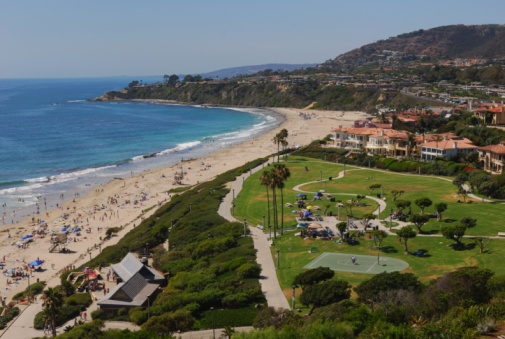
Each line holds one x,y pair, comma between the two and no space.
137,285
492,157
387,142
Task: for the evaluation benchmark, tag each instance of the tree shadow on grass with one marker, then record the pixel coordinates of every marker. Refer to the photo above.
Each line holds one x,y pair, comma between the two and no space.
463,247
430,232
389,249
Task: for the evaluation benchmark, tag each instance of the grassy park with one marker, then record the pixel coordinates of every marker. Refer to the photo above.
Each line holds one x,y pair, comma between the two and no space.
439,259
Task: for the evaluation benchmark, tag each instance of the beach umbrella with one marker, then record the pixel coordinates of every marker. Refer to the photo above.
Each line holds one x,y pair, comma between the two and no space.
64,229
306,213
309,207
75,231
319,194
27,236
295,211
36,263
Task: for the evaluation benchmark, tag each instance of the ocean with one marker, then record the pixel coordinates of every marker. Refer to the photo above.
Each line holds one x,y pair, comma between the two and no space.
53,141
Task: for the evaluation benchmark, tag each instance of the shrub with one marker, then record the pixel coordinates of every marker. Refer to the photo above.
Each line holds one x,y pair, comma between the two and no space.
98,314
249,270
34,290
82,299
235,300
138,317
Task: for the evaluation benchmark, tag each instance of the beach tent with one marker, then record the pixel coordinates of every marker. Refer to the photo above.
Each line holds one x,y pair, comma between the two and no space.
319,194
27,237
300,195
64,229
306,213
36,263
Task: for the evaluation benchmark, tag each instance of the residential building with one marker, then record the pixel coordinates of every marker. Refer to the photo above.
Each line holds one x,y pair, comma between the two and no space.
446,147
491,114
387,142
492,157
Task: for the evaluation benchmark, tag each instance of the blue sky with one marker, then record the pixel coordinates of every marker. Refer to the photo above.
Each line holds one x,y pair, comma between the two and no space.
91,38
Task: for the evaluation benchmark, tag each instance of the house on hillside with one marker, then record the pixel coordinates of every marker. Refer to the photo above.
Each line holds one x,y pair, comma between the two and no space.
492,157
137,285
494,114
384,141
447,148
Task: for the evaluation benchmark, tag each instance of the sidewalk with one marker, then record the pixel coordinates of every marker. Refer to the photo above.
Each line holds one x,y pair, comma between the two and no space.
268,280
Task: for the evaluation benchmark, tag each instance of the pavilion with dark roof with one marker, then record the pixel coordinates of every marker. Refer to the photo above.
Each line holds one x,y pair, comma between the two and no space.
139,284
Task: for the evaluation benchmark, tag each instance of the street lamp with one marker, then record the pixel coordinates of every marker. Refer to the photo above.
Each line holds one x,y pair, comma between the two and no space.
278,258
293,303
213,330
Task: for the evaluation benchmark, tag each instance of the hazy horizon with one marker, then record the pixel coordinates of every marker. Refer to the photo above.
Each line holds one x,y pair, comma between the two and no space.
61,39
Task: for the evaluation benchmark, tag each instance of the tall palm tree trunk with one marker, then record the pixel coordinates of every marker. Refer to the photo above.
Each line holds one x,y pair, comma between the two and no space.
268,207
282,212
274,206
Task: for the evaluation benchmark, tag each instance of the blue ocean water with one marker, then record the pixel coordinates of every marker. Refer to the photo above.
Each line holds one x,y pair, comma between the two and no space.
53,141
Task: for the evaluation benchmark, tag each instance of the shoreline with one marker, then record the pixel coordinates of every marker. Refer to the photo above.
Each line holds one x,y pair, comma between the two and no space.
118,196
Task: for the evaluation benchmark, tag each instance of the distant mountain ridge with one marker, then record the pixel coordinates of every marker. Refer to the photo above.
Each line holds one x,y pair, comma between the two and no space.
247,70
454,41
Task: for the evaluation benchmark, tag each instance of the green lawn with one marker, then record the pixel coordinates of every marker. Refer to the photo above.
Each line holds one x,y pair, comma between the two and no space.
252,204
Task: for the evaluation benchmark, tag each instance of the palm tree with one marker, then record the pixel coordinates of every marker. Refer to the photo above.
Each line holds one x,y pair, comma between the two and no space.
383,119
53,300
394,121
412,143
265,178
280,139
283,173
274,181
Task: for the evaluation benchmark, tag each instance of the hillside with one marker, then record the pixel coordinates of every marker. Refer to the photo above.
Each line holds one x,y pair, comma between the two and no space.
247,70
455,41
271,95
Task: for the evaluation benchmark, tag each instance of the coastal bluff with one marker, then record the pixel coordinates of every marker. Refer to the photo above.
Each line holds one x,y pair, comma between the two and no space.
111,96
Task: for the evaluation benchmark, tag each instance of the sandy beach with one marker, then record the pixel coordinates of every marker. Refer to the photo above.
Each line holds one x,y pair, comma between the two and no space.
113,204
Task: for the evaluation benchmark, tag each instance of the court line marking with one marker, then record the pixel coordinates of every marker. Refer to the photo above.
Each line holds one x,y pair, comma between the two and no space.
375,263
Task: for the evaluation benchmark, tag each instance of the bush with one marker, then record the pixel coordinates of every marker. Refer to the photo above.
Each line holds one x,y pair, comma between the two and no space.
138,317
122,311
98,314
249,270
34,290
82,299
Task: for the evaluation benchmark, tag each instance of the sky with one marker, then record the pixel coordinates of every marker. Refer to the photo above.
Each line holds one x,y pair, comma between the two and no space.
68,38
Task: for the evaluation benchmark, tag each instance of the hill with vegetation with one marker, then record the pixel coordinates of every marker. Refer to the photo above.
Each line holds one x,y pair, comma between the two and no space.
296,95
454,41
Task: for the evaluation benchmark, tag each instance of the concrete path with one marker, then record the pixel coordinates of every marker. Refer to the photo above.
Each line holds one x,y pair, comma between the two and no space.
268,280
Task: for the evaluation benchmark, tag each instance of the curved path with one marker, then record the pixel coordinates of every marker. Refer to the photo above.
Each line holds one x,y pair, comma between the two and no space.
268,280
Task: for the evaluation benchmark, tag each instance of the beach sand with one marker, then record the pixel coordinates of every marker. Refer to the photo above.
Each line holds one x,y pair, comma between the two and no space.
302,128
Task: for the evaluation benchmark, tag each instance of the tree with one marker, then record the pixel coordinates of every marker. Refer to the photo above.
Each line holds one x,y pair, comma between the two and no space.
454,233
440,207
487,188
367,217
468,222
283,173
406,232
52,302
402,204
133,84
173,79
280,139
422,203
379,236
229,331
482,243
266,178
459,180
419,220
342,227
368,291
373,187
396,194
463,192
166,77
313,276
359,197
325,293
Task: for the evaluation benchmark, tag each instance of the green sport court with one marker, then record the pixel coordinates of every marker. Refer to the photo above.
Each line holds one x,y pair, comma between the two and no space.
364,263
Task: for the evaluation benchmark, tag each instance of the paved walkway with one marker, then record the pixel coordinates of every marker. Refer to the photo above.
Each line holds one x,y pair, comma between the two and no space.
268,280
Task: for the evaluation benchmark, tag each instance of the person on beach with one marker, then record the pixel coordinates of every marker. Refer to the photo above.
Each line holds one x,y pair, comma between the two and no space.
353,259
